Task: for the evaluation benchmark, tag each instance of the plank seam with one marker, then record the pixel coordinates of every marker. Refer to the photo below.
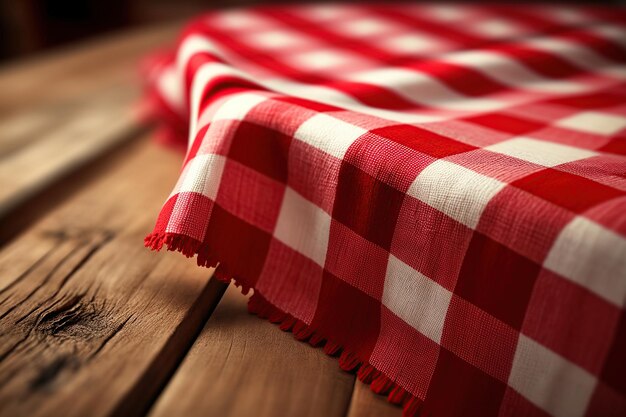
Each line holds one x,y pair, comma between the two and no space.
140,399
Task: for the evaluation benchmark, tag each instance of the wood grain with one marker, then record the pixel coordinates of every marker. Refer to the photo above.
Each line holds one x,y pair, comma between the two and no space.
76,71
92,323
243,366
62,111
90,131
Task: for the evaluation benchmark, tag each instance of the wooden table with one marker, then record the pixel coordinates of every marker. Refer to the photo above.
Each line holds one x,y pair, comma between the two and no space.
91,322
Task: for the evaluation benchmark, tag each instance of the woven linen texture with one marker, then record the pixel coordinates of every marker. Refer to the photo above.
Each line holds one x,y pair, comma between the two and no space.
438,190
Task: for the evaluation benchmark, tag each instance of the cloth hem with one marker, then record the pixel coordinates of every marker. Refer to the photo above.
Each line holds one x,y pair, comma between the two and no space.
262,308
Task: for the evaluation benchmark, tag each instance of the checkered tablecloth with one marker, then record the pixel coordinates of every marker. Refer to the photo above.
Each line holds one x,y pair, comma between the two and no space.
437,192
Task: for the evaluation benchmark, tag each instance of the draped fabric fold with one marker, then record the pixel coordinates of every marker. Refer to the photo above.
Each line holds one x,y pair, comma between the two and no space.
436,193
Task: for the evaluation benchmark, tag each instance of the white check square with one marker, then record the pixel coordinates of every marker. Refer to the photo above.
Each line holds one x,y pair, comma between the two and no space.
278,39
367,27
203,175
323,59
238,20
303,226
329,134
594,122
416,299
550,381
454,190
591,256
236,107
540,152
413,43
446,12
497,28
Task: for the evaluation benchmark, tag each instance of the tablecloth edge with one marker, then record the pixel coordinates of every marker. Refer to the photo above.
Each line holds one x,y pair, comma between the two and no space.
367,373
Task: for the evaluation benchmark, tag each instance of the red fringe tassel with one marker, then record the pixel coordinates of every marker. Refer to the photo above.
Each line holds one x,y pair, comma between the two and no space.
379,383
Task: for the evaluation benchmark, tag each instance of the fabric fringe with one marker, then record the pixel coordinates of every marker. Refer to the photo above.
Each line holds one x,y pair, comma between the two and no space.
349,362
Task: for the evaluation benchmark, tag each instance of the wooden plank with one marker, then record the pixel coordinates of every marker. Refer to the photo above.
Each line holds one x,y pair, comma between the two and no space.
92,323
92,129
365,403
76,70
62,111
243,366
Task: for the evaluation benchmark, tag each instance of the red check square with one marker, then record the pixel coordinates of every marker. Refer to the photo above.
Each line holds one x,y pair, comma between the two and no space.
445,244
298,289
350,257
471,391
357,320
567,190
362,198
260,205
479,338
261,149
417,352
497,280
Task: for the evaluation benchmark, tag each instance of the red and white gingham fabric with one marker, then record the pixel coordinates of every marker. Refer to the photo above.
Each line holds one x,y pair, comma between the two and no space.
438,191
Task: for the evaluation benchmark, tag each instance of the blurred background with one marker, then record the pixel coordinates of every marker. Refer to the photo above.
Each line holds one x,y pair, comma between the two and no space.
29,26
